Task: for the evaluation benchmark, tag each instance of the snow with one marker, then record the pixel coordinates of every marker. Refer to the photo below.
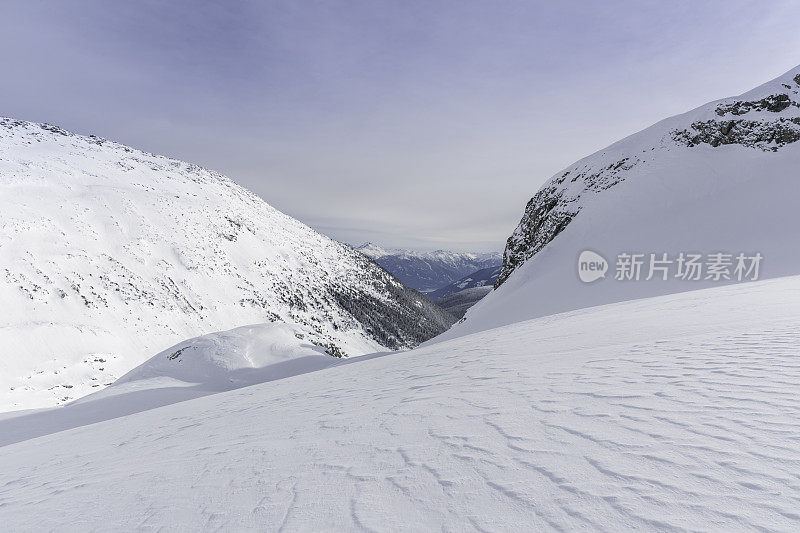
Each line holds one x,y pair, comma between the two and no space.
373,250
444,256
110,254
226,360
665,198
196,367
670,413
555,405
429,271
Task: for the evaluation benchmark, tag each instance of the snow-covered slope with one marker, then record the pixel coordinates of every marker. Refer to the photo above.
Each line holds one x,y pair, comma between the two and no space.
720,178
673,413
196,367
109,254
428,271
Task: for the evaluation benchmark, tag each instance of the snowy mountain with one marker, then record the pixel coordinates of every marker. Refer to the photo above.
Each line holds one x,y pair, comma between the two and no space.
462,294
553,405
485,277
676,413
428,271
110,254
721,178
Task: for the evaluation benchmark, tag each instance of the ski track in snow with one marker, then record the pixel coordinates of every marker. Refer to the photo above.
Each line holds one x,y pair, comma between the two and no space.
671,414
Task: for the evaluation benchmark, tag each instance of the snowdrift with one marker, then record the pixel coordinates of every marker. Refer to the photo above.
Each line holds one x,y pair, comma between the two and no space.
196,367
672,413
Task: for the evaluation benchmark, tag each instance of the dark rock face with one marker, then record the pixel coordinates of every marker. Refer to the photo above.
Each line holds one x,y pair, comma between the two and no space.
550,211
770,135
546,215
774,103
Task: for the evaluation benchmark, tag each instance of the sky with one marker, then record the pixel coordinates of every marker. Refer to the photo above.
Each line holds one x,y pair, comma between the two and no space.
414,124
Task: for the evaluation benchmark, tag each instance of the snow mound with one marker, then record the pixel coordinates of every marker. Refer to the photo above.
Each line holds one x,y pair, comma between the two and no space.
204,365
672,413
235,358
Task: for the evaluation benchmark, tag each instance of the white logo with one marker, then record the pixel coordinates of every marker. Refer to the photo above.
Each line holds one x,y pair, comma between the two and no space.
591,266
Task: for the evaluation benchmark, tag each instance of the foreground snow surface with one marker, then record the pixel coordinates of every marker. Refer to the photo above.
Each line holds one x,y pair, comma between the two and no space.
676,412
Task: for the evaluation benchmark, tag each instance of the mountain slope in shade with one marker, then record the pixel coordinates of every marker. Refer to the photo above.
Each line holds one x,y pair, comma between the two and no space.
485,277
110,254
428,271
719,179
676,413
462,294
458,303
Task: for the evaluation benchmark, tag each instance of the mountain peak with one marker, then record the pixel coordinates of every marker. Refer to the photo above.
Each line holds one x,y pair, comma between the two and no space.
372,250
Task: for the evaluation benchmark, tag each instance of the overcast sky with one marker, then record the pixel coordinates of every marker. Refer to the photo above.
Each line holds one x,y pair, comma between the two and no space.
413,124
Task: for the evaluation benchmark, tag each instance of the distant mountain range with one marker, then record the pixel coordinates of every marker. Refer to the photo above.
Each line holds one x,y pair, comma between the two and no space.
462,294
429,271
484,277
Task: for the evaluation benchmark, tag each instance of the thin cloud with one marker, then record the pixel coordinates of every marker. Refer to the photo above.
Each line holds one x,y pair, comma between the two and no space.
413,123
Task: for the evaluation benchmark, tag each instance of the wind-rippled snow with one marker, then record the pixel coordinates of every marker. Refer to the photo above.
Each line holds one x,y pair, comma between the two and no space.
671,413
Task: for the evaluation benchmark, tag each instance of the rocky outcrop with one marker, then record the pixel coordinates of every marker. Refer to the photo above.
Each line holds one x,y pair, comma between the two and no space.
774,103
555,205
770,135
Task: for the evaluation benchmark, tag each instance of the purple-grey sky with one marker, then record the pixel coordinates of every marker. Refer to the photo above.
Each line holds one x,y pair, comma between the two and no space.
422,124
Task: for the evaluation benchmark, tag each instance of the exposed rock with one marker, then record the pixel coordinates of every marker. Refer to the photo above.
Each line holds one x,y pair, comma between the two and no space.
774,103
552,208
755,134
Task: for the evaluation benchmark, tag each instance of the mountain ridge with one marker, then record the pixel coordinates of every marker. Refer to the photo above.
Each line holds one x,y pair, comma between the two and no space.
428,271
111,254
